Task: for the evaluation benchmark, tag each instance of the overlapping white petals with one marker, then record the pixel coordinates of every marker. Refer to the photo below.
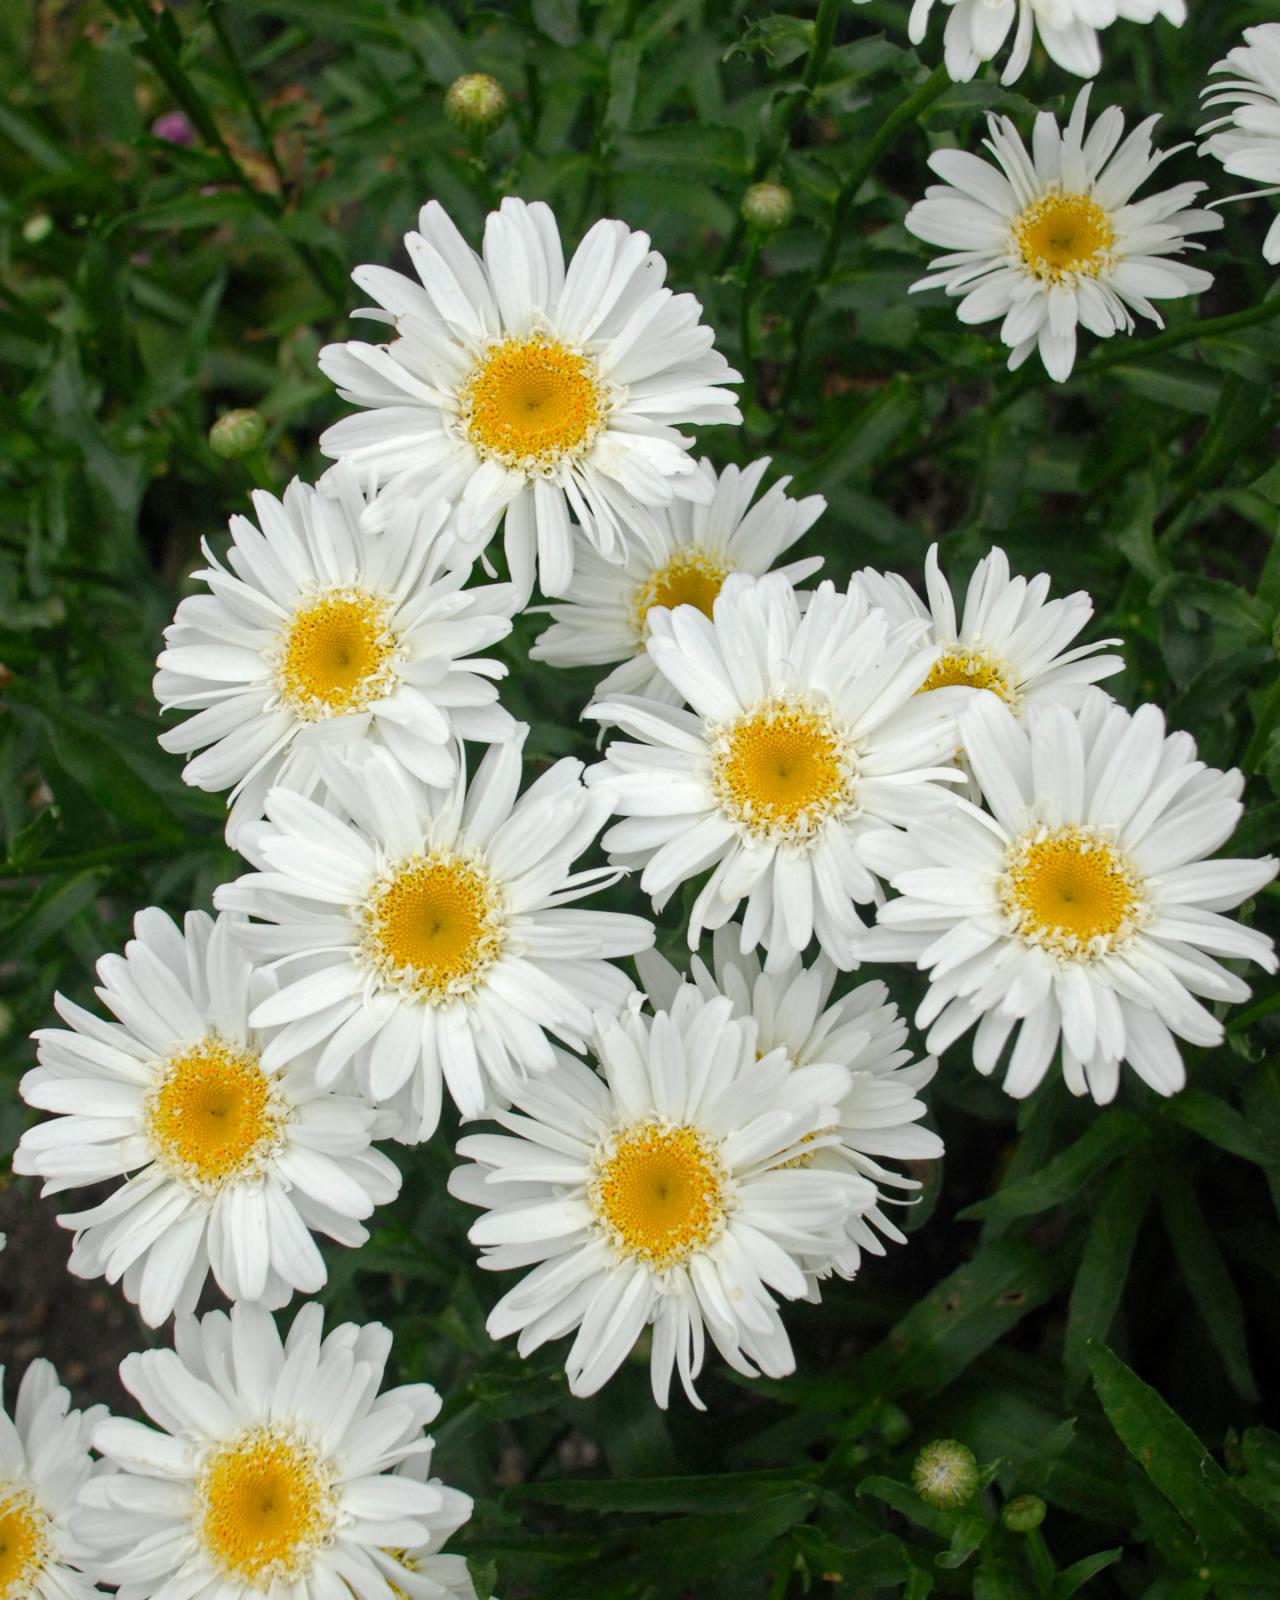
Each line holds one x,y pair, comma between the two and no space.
843,666
196,1201
227,652
230,1378
695,546
544,967
653,364
1247,138
1116,788
1051,240
716,1260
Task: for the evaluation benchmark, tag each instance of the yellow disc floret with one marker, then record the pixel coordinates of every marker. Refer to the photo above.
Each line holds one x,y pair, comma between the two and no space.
432,927
1071,891
1062,236
971,667
24,1542
265,1505
532,403
783,769
660,1192
213,1116
692,577
337,655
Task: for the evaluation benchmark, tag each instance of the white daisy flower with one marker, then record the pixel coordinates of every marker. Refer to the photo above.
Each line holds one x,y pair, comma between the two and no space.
1011,638
805,734
429,939
272,1468
235,1160
1082,907
1247,139
665,1194
977,30
1053,240
697,547
862,1032
514,386
316,634
45,1549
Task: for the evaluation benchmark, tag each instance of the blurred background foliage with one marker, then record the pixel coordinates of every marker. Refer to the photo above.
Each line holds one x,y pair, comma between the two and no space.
157,270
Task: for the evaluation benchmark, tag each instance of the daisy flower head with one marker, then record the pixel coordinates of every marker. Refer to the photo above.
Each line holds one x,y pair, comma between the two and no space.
232,1161
316,634
606,617
515,386
428,938
1247,138
976,31
804,733
666,1192
1010,637
45,1548
879,1115
274,1467
1079,908
1051,239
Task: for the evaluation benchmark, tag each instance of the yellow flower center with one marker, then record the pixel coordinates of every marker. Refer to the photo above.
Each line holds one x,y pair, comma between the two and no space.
1071,892
1063,236
660,1193
692,577
533,402
213,1116
783,769
265,1506
433,927
24,1543
337,655
969,667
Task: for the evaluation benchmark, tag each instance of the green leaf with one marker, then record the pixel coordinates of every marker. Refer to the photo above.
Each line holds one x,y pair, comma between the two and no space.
1230,1528
1073,1578
686,150
722,1491
1223,1125
30,843
558,19
1108,1249
970,1535
1205,1273
1113,1133
49,912
907,1503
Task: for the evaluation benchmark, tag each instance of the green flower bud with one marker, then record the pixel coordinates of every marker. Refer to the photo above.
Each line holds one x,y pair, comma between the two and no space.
236,434
768,206
476,103
945,1473
1025,1514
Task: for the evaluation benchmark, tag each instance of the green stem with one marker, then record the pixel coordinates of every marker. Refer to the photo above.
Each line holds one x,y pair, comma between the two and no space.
908,112
1041,1562
750,282
776,146
213,9
1263,729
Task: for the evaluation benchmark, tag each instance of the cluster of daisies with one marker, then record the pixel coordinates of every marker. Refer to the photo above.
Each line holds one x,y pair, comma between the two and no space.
848,776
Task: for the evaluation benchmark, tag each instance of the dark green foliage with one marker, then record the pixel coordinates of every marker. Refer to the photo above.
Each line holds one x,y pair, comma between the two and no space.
146,287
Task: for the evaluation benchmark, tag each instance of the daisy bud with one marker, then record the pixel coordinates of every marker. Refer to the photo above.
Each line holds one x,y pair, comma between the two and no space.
476,103
236,434
768,206
945,1473
1025,1514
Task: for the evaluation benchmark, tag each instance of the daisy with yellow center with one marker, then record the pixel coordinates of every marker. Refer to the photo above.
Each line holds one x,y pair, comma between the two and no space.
233,1158
804,733
1008,637
661,1190
316,633
441,945
514,386
46,1551
605,618
1079,908
274,1468
1052,239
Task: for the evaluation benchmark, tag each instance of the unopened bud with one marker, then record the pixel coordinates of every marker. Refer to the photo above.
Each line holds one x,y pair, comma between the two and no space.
477,103
768,206
945,1473
174,127
37,227
236,434
1025,1514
